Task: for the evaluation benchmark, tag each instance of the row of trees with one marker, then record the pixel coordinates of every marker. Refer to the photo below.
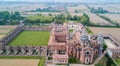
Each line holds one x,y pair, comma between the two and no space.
109,20
7,17
98,10
38,19
84,19
61,18
48,9
13,18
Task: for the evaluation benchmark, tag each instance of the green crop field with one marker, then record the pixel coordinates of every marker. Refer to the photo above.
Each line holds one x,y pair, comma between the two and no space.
31,38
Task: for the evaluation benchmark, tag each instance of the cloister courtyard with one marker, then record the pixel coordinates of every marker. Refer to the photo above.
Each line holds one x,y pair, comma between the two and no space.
31,38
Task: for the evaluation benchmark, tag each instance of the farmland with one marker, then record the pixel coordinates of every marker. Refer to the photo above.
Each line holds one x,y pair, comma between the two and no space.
19,62
98,20
22,61
112,13
115,32
36,39
20,7
93,17
31,38
5,29
108,7
25,8
113,17
80,8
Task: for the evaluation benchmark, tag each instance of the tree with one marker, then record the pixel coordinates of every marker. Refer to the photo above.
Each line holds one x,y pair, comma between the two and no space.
85,19
5,15
104,46
60,18
69,17
7,18
75,17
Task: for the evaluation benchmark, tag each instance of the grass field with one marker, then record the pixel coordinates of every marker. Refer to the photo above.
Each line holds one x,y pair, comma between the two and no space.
42,62
118,61
31,38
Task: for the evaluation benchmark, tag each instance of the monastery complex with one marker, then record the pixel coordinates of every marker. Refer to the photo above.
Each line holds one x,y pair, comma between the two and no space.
72,40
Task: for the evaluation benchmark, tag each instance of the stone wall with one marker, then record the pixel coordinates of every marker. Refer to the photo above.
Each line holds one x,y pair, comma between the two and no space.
23,51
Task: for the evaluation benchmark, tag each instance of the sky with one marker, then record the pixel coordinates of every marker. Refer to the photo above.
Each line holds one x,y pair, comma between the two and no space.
66,0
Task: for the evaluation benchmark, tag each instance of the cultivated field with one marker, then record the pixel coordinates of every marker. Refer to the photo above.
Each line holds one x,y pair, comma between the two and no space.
115,32
20,7
98,20
112,7
19,62
81,8
5,29
113,17
31,38
108,7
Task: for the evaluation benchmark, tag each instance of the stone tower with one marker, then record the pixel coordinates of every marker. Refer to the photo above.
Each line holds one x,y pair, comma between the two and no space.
100,41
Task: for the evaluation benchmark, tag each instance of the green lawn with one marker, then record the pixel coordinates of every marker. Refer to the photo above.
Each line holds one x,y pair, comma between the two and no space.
118,60
73,60
42,62
31,38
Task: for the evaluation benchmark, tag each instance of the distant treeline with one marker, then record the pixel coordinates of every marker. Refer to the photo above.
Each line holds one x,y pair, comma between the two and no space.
7,17
61,18
48,9
13,18
109,20
98,10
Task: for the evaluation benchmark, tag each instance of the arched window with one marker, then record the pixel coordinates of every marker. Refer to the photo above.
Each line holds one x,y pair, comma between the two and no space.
96,52
87,52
